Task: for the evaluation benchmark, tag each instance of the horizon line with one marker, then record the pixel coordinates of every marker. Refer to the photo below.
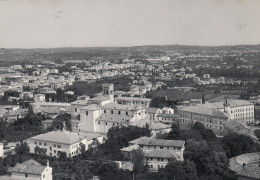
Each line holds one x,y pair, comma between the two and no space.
61,47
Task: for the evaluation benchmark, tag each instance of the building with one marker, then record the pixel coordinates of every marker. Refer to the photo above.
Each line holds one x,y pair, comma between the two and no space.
152,112
55,142
1,150
30,170
239,110
246,166
76,106
158,152
47,124
210,117
50,108
38,98
133,101
95,118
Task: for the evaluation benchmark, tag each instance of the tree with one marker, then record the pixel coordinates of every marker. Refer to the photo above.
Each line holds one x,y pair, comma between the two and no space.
62,155
82,147
40,151
257,133
182,170
139,161
175,132
21,149
207,161
235,144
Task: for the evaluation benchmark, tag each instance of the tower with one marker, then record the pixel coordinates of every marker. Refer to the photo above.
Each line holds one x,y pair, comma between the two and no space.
108,91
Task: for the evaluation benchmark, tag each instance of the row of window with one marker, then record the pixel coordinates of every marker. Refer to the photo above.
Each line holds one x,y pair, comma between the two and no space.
45,144
161,147
113,124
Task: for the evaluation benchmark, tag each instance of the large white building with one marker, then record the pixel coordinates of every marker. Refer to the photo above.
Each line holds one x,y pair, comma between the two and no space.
158,152
133,101
55,142
215,115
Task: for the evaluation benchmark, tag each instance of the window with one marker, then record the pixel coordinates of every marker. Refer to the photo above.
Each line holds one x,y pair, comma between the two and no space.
119,112
26,175
75,109
106,123
98,122
35,142
112,112
54,151
43,176
40,143
54,145
86,113
58,146
113,124
126,113
45,144
105,111
158,159
50,148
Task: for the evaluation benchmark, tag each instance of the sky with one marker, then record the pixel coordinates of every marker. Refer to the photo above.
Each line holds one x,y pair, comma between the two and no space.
100,23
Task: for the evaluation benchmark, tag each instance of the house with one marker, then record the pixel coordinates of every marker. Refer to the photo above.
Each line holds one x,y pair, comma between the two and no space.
30,170
50,108
133,101
47,124
152,112
55,142
1,150
158,152
209,116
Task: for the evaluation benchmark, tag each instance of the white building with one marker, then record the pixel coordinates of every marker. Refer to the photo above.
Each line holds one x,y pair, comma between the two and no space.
30,170
158,152
39,98
50,108
133,101
1,150
55,142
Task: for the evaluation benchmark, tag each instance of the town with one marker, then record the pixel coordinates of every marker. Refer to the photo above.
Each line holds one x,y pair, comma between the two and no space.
143,112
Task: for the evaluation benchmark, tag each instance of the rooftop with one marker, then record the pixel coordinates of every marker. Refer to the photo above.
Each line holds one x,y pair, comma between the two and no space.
157,142
29,167
64,137
100,98
121,106
159,153
154,125
133,99
151,110
80,102
113,117
91,107
206,110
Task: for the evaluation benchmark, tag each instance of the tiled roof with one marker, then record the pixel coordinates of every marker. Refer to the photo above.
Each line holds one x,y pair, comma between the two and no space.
250,172
51,104
151,110
113,117
64,137
159,153
133,99
91,107
130,148
29,167
158,142
121,106
80,102
100,98
168,115
203,109
154,125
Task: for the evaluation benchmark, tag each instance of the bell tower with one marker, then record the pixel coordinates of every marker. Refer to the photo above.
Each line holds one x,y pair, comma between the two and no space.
108,91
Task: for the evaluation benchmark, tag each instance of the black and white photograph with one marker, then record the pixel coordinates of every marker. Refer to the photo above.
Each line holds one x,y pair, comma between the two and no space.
129,89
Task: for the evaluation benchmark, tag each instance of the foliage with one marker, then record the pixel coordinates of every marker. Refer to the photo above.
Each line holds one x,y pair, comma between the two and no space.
207,160
139,162
257,133
40,151
175,132
235,144
161,102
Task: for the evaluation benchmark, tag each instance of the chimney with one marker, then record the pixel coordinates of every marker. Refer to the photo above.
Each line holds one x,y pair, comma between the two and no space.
244,165
48,164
